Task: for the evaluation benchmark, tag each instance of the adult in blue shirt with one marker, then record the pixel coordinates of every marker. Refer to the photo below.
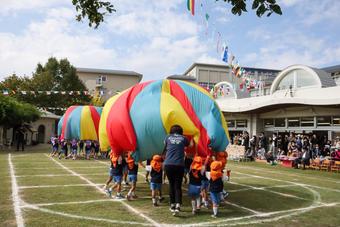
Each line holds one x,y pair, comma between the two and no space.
174,165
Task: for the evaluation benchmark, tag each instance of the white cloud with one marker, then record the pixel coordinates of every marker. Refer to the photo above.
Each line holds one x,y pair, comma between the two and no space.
161,40
52,37
294,47
13,6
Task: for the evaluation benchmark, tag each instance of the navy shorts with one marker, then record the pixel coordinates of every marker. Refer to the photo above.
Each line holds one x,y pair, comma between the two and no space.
155,186
215,197
117,179
205,184
132,178
194,190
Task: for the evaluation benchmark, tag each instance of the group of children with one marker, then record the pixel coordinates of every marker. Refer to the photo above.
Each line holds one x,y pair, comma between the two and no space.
206,176
78,148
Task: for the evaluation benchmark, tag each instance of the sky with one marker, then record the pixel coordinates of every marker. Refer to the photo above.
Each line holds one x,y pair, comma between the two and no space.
158,38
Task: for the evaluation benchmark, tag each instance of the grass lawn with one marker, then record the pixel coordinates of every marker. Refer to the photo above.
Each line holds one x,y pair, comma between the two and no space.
68,193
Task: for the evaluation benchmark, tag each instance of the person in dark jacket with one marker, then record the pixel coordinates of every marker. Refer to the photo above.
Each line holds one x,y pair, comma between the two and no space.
174,165
21,138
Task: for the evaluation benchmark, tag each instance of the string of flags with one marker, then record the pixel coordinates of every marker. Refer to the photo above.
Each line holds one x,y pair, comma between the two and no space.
7,92
246,82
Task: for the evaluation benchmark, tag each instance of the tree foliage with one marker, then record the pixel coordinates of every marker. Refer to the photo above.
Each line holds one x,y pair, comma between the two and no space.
260,6
54,76
96,10
93,10
13,112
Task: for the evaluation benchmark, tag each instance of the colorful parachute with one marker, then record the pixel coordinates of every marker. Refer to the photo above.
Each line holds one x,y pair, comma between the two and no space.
80,122
139,118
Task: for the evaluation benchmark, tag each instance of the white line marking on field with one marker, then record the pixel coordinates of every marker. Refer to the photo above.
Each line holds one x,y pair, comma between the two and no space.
286,174
56,186
262,188
153,222
271,191
84,217
68,203
80,167
59,175
15,194
292,182
291,212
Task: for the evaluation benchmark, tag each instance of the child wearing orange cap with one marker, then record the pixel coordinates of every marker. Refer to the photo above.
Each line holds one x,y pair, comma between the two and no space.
132,167
205,182
222,157
116,173
156,179
216,185
195,181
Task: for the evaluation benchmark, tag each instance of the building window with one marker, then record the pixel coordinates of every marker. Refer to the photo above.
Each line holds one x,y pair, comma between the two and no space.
280,122
293,122
241,123
231,124
103,78
323,121
268,123
336,121
307,122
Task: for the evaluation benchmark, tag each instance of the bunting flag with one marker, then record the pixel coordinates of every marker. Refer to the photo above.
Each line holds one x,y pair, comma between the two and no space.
225,54
191,6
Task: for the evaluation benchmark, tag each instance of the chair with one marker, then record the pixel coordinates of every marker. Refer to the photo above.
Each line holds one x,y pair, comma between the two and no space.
325,165
335,166
315,165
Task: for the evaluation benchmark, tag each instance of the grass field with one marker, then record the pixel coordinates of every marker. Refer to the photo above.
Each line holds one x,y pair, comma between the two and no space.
37,190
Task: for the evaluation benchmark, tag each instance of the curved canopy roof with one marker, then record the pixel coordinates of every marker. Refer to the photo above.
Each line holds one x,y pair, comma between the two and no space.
306,85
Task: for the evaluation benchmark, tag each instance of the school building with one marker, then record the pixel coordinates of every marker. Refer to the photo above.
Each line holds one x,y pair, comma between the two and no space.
298,98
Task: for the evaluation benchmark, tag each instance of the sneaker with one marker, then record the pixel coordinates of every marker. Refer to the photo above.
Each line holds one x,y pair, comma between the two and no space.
127,183
177,209
155,204
134,196
119,196
172,208
214,216
193,212
108,193
161,199
128,197
225,195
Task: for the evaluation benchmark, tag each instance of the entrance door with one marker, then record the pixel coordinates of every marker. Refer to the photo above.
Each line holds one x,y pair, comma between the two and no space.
41,134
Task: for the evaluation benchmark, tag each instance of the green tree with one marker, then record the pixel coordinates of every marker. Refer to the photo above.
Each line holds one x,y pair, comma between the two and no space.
14,113
54,76
96,10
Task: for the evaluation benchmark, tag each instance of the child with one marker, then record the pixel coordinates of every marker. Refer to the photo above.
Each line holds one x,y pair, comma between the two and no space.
222,157
147,170
205,182
55,145
187,164
81,147
216,185
116,172
125,172
63,148
88,147
132,175
156,179
195,181
96,149
74,149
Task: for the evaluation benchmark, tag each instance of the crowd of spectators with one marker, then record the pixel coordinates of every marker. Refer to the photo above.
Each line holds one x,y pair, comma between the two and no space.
302,147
